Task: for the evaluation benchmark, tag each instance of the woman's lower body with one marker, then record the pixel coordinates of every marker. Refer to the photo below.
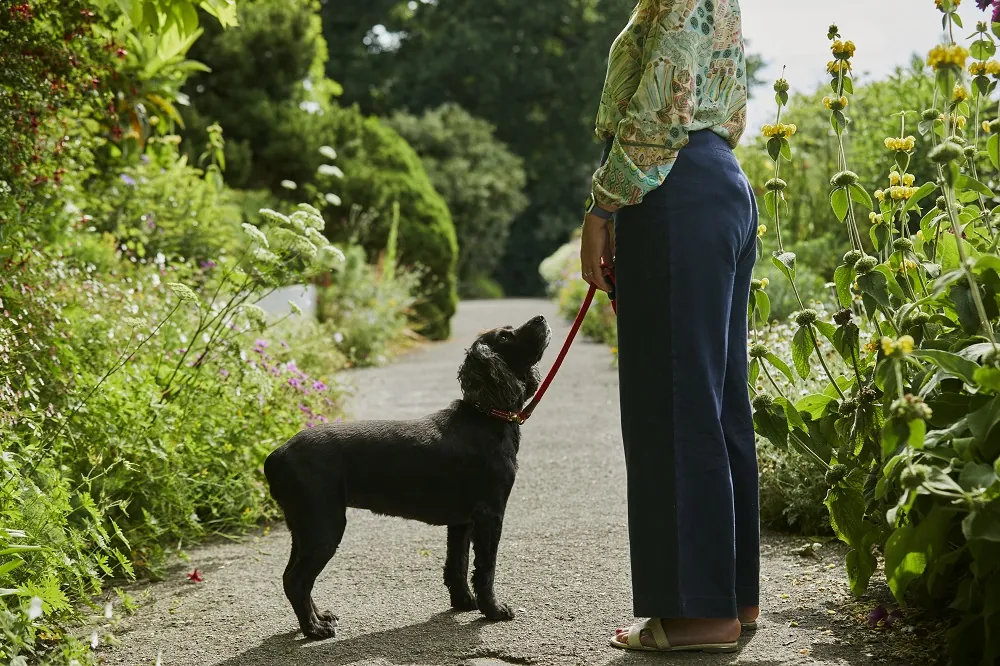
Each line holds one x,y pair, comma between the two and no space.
683,263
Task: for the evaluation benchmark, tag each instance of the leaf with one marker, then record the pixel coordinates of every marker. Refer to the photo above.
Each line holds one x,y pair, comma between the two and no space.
772,426
7,567
774,148
785,262
983,523
964,182
843,277
988,379
860,569
763,305
839,202
993,150
786,149
875,285
828,330
977,476
982,421
903,564
780,365
860,195
953,364
918,196
891,282
771,202
792,415
754,371
982,49
814,405
802,348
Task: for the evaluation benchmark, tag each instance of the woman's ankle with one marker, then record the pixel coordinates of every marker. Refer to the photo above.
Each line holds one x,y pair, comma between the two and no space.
749,613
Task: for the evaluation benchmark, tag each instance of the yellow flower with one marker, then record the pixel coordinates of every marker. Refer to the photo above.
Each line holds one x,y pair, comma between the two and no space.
838,66
959,94
842,50
986,126
779,130
993,68
908,179
977,68
835,104
875,218
954,4
871,347
894,178
880,195
920,234
764,282
906,342
761,230
887,345
945,56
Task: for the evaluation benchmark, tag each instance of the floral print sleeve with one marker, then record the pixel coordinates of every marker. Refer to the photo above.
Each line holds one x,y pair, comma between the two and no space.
678,67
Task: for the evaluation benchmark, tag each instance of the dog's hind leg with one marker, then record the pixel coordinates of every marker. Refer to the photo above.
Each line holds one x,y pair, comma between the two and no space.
311,550
485,540
456,568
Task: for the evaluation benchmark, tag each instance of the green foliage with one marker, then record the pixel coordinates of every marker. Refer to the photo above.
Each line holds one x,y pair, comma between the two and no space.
561,273
393,55
364,312
902,425
266,89
162,205
381,170
479,179
51,72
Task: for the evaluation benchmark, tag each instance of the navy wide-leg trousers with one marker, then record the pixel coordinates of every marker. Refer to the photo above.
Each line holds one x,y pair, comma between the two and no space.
683,264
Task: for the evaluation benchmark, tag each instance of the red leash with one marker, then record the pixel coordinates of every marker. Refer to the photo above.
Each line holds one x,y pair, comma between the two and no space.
609,275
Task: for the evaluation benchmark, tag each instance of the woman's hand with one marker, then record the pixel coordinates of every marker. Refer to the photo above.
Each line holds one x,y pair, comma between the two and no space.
596,245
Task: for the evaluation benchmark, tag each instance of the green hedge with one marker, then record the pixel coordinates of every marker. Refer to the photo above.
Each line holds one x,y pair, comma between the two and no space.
381,168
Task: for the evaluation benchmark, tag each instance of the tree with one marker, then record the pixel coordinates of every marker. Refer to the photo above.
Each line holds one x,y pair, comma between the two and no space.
482,182
534,70
268,90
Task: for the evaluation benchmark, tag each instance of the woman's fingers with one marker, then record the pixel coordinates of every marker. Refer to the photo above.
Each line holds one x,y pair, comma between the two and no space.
594,244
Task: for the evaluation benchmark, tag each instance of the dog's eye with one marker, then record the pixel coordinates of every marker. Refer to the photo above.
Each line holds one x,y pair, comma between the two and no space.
505,336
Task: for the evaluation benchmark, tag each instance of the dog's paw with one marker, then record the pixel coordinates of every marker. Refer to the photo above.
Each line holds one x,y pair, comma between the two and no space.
321,630
498,612
463,602
328,616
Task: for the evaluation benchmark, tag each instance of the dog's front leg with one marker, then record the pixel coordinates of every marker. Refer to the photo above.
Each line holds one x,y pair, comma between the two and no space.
456,568
485,541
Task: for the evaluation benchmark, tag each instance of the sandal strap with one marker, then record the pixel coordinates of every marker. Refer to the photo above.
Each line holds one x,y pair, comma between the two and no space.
659,635
655,628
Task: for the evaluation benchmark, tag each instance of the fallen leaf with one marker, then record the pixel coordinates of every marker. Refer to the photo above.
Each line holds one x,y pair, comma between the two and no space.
195,576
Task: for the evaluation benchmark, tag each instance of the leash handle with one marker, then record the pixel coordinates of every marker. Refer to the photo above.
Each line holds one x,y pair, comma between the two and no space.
577,323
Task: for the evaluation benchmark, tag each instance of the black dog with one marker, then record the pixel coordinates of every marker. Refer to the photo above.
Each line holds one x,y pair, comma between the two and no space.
455,467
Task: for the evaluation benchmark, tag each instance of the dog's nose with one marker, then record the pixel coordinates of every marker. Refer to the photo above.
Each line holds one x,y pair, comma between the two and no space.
540,319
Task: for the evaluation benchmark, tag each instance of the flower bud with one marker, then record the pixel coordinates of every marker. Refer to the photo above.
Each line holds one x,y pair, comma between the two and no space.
902,245
836,474
970,152
806,317
930,114
844,178
913,477
775,185
941,203
761,402
948,151
759,350
852,257
843,317
865,265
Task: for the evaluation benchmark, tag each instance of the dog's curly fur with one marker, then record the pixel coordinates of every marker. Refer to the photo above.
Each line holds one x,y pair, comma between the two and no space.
455,467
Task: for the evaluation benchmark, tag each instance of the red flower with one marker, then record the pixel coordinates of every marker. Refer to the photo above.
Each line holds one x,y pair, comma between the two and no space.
195,577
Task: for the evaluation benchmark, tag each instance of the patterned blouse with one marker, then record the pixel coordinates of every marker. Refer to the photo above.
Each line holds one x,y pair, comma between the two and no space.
677,67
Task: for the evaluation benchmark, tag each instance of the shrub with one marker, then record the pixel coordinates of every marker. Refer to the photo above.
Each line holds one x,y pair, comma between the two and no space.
382,170
480,179
904,426
136,411
162,205
364,311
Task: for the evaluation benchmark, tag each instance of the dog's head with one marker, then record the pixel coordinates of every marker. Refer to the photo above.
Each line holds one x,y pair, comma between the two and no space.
500,368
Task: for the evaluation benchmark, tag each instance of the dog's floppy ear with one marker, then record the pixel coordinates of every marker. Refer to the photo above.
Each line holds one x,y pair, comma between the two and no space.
486,379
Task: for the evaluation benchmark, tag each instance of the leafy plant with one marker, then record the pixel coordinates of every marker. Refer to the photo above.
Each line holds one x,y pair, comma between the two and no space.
904,424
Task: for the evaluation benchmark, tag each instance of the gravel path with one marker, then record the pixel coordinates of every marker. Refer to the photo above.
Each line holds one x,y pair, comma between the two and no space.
563,558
